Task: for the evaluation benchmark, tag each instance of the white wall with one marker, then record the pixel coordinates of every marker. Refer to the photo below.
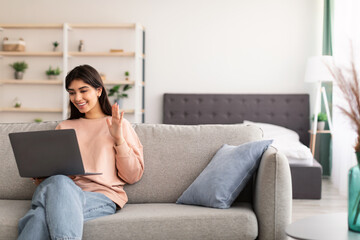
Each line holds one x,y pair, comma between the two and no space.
198,46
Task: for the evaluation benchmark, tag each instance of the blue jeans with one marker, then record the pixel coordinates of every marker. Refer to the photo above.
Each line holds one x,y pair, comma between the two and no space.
59,209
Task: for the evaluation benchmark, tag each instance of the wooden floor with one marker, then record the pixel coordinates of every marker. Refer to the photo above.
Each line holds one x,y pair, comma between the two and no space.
331,202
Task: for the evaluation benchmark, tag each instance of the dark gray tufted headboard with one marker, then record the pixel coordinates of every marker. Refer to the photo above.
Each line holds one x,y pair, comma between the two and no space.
287,110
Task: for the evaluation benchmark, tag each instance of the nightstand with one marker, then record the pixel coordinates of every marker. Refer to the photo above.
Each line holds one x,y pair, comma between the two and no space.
313,138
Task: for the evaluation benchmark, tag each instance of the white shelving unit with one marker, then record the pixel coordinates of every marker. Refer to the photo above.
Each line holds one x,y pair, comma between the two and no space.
101,38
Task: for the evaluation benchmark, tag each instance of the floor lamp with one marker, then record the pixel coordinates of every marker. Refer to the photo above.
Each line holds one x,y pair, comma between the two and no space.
318,72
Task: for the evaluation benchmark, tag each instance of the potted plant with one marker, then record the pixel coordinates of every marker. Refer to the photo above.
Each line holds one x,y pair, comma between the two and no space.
119,93
17,103
55,44
322,118
53,73
127,75
19,68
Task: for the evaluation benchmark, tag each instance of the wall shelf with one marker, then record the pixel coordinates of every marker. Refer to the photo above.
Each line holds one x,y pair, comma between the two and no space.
31,26
31,54
32,110
31,82
101,54
122,82
123,25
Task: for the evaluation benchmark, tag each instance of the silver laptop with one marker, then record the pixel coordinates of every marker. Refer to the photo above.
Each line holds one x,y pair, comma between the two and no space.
47,153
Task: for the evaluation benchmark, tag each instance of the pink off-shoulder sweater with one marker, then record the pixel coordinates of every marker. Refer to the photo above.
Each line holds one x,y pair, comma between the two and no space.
118,164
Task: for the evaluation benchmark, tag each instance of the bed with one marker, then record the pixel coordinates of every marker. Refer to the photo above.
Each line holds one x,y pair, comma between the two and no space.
274,113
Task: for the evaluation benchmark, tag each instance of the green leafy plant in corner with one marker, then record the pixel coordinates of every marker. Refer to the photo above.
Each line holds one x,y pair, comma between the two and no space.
321,117
118,92
54,72
19,66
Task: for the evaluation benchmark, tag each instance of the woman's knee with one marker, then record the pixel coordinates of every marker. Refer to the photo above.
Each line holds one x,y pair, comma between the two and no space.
58,179
55,185
62,183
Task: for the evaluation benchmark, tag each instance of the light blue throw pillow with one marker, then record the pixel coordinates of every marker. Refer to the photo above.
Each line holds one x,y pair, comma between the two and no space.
219,184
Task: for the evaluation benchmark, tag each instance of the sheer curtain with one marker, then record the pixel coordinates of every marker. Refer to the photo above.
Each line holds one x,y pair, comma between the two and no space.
346,33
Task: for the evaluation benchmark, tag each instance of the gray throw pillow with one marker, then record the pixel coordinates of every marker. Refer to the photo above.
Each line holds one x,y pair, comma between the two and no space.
219,184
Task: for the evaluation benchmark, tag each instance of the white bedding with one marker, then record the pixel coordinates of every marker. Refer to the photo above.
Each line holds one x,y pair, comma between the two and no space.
286,141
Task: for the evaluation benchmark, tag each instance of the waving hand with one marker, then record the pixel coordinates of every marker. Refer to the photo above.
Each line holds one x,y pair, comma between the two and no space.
115,125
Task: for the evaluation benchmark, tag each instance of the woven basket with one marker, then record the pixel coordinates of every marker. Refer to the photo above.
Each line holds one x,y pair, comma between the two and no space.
14,45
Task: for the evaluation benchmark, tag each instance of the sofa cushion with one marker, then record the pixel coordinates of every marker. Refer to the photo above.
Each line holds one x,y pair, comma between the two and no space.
12,185
174,221
152,221
175,155
225,176
11,211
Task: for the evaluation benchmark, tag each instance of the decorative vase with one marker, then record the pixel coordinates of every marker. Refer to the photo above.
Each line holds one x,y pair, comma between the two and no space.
321,125
81,47
52,77
354,197
19,75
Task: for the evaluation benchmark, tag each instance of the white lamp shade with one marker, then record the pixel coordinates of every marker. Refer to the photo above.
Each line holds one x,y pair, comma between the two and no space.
317,71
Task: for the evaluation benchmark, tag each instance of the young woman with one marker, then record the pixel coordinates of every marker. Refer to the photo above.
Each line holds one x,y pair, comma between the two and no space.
108,145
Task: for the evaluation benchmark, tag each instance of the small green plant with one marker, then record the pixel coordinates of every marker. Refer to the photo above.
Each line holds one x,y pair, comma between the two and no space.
19,66
321,117
55,44
38,120
117,92
127,75
16,103
54,72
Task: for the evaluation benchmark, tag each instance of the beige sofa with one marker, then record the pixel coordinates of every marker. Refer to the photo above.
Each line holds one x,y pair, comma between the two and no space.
174,157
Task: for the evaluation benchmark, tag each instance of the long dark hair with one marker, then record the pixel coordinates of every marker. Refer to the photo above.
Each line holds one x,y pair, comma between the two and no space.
90,76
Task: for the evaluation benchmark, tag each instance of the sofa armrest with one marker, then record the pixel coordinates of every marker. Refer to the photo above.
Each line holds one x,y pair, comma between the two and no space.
273,195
